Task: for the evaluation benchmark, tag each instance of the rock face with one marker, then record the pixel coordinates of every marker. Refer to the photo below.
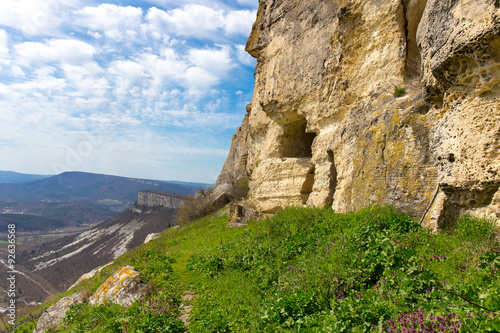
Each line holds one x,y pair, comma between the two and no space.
325,127
54,315
124,287
159,199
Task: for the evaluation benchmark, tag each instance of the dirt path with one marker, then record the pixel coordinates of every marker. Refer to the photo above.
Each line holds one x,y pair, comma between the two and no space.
186,307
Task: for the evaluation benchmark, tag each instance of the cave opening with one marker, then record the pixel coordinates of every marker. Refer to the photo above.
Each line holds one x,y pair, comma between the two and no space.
295,141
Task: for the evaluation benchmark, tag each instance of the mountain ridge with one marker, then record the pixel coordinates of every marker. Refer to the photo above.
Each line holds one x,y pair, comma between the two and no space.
12,177
80,197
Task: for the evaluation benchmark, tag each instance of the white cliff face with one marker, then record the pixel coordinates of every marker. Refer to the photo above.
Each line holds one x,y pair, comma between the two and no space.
326,129
159,199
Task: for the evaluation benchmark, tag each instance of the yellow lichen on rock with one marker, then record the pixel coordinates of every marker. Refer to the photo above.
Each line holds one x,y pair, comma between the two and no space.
123,287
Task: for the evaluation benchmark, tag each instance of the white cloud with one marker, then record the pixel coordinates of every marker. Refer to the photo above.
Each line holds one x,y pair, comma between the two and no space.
43,82
239,22
127,69
33,17
199,21
96,35
17,72
4,40
86,80
167,69
199,79
111,19
60,50
216,61
243,56
4,50
191,20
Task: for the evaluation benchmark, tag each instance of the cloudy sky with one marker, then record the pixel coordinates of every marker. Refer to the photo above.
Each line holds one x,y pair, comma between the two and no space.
149,89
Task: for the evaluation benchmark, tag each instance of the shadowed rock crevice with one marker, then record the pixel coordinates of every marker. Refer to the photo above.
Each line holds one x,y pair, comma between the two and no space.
333,178
307,187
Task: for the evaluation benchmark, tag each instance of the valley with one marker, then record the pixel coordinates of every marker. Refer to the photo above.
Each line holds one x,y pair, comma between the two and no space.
69,224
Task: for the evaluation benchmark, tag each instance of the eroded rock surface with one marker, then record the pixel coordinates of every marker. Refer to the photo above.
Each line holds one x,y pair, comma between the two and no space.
325,127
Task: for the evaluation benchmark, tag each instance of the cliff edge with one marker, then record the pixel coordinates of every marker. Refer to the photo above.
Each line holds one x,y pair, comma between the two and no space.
368,102
159,199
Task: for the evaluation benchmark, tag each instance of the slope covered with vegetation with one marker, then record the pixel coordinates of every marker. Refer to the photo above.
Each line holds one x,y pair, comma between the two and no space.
309,270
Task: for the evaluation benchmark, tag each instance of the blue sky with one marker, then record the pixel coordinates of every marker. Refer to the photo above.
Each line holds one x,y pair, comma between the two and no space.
149,89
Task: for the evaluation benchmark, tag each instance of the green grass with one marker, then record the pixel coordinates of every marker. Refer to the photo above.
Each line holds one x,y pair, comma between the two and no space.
311,270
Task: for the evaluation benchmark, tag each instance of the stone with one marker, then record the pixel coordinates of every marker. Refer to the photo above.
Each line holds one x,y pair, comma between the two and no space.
150,237
240,213
325,128
55,314
124,287
221,195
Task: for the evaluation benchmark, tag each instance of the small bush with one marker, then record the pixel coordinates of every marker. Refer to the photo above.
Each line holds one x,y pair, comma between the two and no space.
399,92
198,206
206,201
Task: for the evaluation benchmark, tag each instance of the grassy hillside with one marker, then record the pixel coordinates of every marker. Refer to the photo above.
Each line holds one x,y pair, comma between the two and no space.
310,271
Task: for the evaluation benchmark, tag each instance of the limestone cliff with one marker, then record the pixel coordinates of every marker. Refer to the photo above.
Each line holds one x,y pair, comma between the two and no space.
325,127
159,199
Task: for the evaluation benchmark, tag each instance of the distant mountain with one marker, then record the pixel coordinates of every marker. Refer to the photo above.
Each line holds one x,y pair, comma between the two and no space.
87,188
10,177
80,197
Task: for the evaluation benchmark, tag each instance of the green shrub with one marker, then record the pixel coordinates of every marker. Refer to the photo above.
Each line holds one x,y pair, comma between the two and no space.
398,92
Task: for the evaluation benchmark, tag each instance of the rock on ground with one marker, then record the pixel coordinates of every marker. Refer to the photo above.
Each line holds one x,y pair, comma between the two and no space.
55,314
124,287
